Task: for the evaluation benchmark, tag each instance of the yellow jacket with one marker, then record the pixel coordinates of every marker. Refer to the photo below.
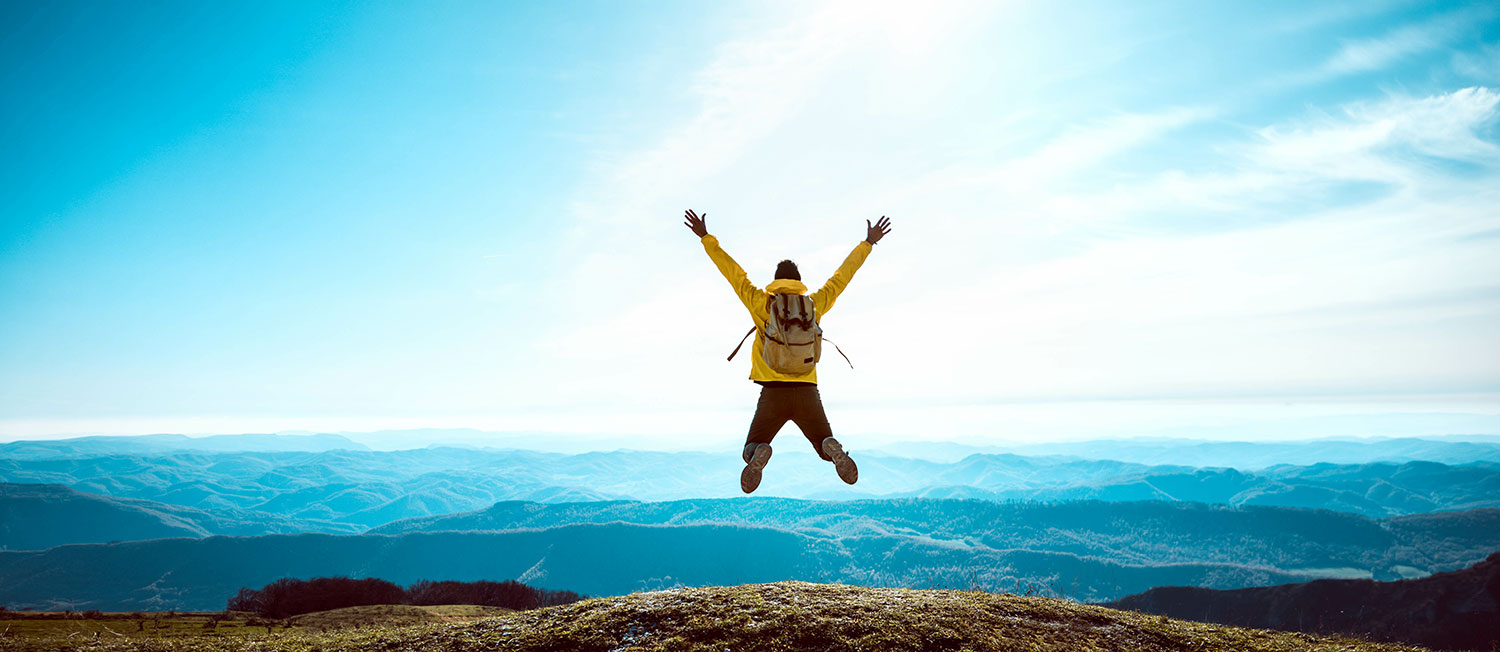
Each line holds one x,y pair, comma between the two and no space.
755,298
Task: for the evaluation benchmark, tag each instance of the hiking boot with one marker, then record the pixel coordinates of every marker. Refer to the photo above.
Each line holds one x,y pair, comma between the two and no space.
848,472
756,456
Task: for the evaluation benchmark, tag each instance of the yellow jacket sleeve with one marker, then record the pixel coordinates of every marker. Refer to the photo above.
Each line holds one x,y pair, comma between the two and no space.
753,297
825,295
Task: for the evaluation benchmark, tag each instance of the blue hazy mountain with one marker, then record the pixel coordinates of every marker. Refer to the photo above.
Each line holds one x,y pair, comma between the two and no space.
158,444
1232,454
1085,550
1457,610
34,517
1244,455
343,487
357,489
1289,539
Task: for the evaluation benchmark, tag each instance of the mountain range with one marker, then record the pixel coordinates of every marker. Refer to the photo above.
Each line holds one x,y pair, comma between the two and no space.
1291,540
340,491
39,516
1083,550
167,522
164,443
1451,611
1244,455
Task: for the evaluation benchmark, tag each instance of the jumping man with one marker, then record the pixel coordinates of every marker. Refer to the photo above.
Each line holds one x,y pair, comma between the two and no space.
784,354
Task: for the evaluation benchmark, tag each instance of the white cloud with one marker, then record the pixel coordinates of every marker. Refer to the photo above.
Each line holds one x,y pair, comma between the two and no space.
1377,141
1362,55
1481,65
1053,269
1399,142
1051,287
635,265
1058,241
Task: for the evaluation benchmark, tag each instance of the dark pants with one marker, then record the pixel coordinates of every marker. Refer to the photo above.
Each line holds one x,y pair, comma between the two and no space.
800,404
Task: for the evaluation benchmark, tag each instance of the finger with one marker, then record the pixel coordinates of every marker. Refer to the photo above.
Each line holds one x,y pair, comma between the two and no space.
867,224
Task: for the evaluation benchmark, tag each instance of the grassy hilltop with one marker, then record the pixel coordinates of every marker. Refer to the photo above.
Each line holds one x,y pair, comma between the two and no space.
790,616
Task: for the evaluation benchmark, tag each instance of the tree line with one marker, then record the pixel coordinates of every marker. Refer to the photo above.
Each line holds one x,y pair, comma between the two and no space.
290,597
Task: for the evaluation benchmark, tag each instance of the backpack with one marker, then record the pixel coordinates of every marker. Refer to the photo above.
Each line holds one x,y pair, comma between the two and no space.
792,342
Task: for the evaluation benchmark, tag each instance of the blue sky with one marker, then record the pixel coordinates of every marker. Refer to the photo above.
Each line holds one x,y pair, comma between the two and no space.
1157,218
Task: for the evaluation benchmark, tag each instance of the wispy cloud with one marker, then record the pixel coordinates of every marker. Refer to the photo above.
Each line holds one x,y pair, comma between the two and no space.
1084,210
1049,264
1165,301
752,90
1481,65
1037,306
1377,141
1361,55
1400,143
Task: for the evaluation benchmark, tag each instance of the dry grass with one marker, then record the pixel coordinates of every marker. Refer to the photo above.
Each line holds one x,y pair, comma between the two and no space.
785,616
395,614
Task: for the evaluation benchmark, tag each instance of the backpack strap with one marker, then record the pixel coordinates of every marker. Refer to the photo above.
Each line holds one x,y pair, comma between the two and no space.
809,309
747,336
841,351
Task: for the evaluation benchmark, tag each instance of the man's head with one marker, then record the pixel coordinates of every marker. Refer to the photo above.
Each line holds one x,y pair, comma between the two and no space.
787,269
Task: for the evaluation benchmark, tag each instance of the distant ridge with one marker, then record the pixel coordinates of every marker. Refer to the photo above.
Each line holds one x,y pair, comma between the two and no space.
202,574
1085,550
40,516
1243,455
1455,610
1144,532
157,444
371,488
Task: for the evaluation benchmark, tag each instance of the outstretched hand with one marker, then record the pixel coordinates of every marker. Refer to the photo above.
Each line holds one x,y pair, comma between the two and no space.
697,224
878,230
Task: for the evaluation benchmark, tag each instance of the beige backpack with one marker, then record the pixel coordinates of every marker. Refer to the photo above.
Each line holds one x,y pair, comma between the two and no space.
792,342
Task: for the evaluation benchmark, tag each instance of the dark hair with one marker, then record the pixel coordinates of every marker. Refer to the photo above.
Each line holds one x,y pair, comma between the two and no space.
787,269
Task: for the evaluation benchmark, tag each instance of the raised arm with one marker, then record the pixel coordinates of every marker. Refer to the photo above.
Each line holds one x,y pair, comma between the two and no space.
830,291
749,295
